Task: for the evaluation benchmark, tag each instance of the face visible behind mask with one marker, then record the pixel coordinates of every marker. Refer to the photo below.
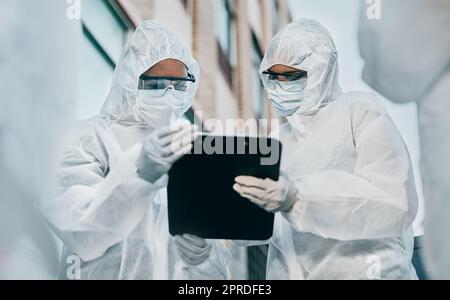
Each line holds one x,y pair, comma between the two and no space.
158,110
287,97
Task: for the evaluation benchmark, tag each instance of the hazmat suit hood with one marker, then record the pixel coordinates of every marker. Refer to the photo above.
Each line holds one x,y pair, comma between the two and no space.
408,50
307,45
150,44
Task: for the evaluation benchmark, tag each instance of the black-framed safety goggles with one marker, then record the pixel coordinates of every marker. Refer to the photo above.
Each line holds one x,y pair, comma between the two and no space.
272,76
181,84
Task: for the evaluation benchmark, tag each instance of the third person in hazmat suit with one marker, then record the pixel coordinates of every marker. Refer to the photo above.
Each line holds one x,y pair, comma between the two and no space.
112,208
34,118
407,59
346,198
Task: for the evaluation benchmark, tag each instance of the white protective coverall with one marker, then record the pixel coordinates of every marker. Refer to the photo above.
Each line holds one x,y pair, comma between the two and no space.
37,99
407,59
352,171
113,220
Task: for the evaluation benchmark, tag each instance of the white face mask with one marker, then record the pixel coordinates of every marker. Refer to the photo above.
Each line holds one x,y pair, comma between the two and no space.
158,109
284,100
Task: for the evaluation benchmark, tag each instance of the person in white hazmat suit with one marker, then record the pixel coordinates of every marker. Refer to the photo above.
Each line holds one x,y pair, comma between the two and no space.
112,208
407,59
346,199
37,99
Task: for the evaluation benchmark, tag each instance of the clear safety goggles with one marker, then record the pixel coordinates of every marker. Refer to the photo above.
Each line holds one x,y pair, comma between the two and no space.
162,84
294,82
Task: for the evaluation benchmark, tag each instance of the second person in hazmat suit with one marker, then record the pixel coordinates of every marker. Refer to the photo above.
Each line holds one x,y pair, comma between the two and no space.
346,200
112,208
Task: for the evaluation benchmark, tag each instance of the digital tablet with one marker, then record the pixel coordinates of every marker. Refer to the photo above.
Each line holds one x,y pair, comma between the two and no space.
201,199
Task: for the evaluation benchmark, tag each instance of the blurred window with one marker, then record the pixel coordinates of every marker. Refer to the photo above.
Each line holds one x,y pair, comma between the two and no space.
274,7
223,18
224,31
104,35
257,85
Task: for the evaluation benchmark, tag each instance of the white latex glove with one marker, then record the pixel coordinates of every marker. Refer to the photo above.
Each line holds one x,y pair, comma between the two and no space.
193,250
163,148
273,196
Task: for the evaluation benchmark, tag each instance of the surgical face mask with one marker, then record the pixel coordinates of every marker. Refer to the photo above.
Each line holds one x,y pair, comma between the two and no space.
287,97
158,109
